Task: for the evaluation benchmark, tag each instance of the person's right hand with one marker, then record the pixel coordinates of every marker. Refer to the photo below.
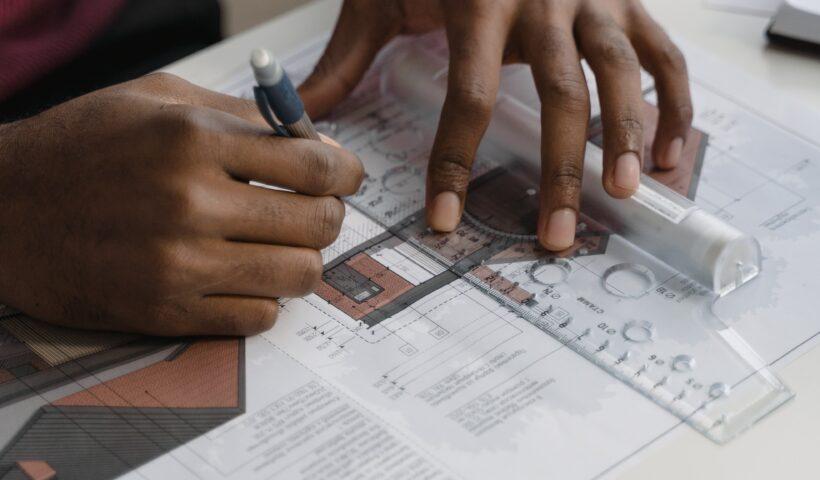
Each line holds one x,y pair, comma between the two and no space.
129,209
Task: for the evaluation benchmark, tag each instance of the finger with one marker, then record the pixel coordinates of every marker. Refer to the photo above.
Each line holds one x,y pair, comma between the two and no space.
617,71
259,215
305,166
265,271
247,152
476,39
666,63
360,33
550,49
223,315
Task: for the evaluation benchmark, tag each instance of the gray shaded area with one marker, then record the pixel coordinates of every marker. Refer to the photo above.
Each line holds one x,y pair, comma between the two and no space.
93,442
14,474
101,442
408,298
351,283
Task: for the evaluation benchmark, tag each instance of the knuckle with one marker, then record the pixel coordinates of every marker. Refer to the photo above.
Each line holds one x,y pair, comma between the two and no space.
550,42
629,129
616,52
182,201
671,58
346,172
327,69
567,90
179,126
567,176
162,82
309,272
684,114
633,9
471,99
168,259
327,220
631,123
358,174
319,171
450,170
259,318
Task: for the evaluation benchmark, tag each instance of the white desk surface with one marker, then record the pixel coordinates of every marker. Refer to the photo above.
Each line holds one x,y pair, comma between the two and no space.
783,445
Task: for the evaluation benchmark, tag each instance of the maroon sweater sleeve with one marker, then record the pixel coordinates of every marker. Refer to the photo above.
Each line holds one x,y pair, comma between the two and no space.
37,36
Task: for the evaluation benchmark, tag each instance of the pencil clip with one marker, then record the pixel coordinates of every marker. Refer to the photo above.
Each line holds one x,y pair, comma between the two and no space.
267,112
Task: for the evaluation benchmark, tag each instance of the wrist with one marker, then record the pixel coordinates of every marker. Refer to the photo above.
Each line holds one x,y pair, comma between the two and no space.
5,154
7,172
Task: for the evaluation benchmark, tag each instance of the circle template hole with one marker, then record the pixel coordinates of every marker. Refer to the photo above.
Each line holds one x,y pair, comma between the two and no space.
639,331
550,271
719,389
628,280
683,363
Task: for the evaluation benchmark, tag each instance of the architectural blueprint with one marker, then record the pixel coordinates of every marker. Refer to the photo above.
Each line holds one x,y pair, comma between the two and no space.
400,367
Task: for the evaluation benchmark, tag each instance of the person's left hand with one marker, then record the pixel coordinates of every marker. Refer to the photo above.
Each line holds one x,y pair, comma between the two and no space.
615,36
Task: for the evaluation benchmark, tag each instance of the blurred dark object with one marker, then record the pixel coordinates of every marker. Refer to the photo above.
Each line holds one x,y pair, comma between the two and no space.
146,35
792,43
796,25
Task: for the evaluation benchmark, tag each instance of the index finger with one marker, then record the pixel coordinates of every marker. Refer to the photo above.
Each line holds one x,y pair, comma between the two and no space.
245,151
304,166
236,138
476,39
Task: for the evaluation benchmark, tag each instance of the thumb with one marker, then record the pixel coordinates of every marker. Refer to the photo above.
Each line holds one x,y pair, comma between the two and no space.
356,40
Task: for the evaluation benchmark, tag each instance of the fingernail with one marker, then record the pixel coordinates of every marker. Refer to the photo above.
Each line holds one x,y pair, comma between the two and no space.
674,151
627,171
445,212
560,233
328,140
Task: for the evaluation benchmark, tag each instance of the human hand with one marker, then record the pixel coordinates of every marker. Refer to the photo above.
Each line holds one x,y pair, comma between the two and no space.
615,36
129,209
